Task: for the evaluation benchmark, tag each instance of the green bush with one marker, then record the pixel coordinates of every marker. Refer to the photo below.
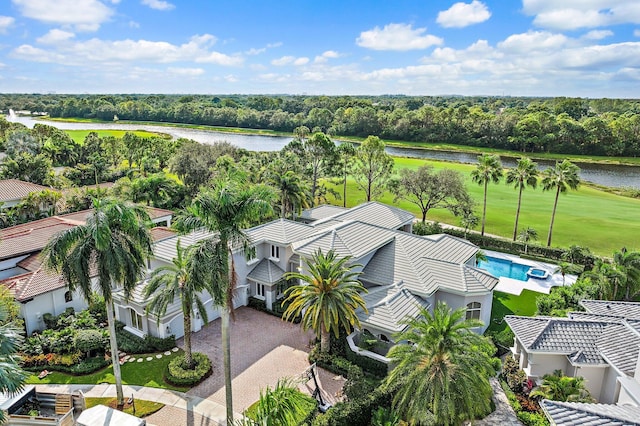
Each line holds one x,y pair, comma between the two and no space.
178,375
258,304
369,365
91,340
532,419
86,366
567,298
427,228
50,321
133,344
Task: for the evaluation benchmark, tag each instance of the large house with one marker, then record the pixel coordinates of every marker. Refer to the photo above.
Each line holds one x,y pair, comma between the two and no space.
601,344
402,271
13,191
37,290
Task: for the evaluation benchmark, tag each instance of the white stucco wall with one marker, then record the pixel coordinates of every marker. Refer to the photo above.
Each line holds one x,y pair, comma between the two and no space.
455,301
51,302
609,391
593,379
541,364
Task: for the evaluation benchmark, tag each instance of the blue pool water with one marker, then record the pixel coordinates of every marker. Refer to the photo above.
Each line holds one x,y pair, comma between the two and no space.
504,268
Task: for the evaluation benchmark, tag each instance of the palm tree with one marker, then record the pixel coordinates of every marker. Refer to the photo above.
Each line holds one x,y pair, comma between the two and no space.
115,244
226,208
444,371
561,177
327,297
559,387
489,169
282,405
607,277
346,151
294,193
175,280
628,264
565,268
527,235
11,375
524,174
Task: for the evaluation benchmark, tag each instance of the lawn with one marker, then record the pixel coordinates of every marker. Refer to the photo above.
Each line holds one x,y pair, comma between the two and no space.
508,304
146,373
79,135
142,408
602,221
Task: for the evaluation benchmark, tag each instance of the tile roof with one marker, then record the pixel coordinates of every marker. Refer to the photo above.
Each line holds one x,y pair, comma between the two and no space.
30,263
266,272
575,338
376,213
585,414
166,250
280,231
31,284
620,344
322,211
160,233
388,306
14,189
629,310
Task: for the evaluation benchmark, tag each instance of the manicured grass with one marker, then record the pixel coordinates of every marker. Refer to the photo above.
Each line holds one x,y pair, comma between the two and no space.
143,408
508,304
79,135
145,373
589,217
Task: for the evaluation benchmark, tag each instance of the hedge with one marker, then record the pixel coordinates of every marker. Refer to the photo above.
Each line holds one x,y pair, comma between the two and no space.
369,365
133,344
86,366
177,374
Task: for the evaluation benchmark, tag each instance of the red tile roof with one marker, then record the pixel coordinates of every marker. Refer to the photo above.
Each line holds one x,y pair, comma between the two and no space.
31,284
14,189
160,233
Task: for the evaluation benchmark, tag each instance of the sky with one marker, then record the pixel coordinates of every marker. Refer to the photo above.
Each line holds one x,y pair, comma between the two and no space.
578,48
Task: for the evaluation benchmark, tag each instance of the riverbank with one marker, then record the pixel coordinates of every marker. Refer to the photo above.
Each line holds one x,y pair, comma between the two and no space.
431,146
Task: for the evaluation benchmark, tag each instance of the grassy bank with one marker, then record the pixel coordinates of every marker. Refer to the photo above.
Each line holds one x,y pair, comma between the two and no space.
589,217
80,135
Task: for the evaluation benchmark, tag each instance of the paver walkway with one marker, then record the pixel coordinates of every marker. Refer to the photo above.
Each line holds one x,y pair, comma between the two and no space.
503,414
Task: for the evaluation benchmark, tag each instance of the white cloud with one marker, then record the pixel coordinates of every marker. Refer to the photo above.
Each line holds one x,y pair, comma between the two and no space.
86,15
158,4
97,51
133,24
257,51
597,34
187,72
533,40
289,60
230,78
574,14
462,15
329,54
636,33
5,23
397,37
55,36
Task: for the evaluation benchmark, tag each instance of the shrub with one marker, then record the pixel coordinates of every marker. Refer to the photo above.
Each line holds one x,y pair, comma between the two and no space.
178,375
567,298
257,304
133,344
427,228
532,419
369,365
91,340
50,321
516,379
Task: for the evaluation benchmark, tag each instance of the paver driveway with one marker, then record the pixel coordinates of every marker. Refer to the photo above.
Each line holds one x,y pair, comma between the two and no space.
264,348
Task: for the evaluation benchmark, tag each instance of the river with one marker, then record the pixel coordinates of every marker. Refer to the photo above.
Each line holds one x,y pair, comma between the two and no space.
602,174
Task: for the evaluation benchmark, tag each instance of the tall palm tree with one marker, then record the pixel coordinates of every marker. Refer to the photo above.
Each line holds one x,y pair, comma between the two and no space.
175,280
561,177
11,375
226,208
327,297
565,268
524,174
113,244
608,279
628,264
527,235
293,193
444,372
489,169
559,387
346,151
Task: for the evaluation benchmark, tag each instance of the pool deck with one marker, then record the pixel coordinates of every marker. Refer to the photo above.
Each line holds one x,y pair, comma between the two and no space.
511,286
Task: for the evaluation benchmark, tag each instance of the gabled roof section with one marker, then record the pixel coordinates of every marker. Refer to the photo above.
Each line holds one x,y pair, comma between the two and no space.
628,310
14,189
576,338
388,306
31,284
375,213
266,272
280,231
320,212
166,249
579,414
620,344
160,233
31,263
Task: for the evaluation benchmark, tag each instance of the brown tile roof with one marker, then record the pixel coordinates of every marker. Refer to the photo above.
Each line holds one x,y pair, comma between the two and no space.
160,233
14,189
31,263
31,284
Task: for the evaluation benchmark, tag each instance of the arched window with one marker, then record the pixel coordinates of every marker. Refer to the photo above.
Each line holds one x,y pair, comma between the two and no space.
68,296
473,310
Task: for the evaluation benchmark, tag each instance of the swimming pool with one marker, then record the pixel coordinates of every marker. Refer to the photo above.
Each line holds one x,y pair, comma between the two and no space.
504,268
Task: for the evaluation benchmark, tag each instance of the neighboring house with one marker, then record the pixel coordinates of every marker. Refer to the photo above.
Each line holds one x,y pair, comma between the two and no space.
12,191
37,290
580,414
402,271
601,344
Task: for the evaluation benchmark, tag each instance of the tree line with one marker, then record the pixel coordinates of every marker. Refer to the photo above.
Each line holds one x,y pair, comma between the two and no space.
602,127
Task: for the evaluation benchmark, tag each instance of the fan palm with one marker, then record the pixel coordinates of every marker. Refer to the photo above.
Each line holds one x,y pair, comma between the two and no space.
327,297
444,371
489,169
524,174
226,208
113,244
561,177
175,280
11,376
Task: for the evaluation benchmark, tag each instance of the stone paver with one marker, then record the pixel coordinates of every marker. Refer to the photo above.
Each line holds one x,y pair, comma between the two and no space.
504,414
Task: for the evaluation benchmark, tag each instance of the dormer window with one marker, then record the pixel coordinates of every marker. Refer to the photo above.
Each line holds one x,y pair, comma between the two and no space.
275,252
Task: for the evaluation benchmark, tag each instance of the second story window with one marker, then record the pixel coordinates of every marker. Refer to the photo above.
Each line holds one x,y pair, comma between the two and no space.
275,252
